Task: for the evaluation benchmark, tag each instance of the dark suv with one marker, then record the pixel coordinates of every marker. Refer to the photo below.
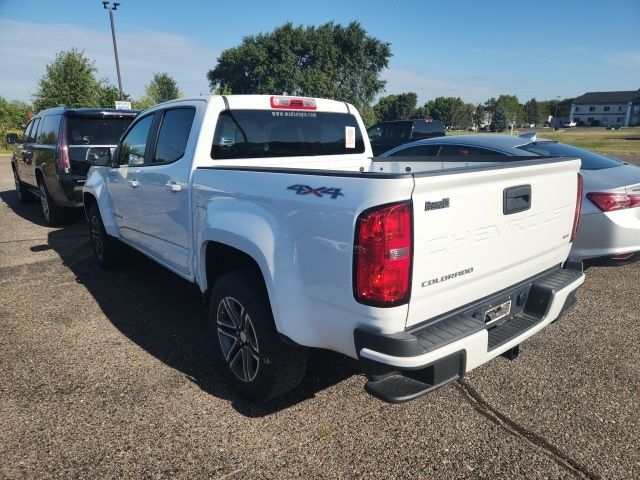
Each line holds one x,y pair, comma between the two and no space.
50,161
387,135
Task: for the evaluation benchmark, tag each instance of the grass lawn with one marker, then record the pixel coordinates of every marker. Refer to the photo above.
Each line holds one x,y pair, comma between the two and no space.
597,139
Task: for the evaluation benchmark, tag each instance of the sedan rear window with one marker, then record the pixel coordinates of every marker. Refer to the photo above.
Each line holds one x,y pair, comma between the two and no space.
590,160
96,131
266,133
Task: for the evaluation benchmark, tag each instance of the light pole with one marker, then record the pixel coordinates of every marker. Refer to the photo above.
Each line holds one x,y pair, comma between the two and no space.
555,115
111,8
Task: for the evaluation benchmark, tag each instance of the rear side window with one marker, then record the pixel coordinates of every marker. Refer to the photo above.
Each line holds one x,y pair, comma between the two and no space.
463,151
174,134
95,131
50,126
590,160
398,131
266,133
134,145
417,151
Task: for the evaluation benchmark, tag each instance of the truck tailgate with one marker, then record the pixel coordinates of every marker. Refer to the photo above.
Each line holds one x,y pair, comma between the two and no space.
471,240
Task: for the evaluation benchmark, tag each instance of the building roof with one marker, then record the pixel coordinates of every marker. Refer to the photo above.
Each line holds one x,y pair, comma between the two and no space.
608,97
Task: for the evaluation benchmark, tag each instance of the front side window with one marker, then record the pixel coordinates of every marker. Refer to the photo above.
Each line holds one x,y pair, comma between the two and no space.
590,160
174,134
465,151
375,132
267,133
417,151
134,145
31,136
27,131
49,130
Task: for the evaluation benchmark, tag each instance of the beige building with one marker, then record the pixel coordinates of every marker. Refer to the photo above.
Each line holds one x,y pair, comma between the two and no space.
605,109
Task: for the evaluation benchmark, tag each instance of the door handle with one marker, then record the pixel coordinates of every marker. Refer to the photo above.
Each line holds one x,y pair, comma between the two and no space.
516,199
134,183
174,186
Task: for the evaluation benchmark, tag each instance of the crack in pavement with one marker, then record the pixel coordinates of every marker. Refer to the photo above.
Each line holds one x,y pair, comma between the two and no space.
503,421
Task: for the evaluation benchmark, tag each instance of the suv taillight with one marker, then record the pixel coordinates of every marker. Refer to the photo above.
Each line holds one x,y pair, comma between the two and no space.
608,202
576,217
382,257
63,149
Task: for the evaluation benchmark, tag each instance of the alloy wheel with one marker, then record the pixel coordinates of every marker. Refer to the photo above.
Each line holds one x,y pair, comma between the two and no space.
238,339
96,237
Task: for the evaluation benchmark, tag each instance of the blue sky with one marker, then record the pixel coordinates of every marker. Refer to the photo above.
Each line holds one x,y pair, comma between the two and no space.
473,50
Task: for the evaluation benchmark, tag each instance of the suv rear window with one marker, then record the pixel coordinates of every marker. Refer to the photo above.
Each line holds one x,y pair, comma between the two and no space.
267,133
590,160
95,131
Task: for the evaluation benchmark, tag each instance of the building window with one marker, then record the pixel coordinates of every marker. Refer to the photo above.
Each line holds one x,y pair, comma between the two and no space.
620,119
577,109
636,108
592,109
620,108
606,109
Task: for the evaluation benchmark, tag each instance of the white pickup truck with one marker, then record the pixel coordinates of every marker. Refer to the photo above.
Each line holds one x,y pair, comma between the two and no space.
298,238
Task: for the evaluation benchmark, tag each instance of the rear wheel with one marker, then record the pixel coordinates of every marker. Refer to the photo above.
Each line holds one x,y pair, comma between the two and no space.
53,214
246,344
108,250
24,195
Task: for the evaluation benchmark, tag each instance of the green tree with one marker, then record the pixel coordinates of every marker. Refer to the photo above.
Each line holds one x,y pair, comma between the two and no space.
499,120
161,89
479,116
532,112
513,110
69,80
451,111
330,60
109,94
396,107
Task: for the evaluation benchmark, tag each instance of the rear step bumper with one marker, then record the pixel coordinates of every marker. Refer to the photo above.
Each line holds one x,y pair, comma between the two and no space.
409,364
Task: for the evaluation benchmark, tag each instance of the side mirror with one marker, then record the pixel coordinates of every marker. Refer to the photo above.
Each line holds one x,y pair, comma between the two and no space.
99,156
12,138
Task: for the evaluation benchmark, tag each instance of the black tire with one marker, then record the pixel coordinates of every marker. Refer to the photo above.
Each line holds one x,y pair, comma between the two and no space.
246,345
24,195
107,249
53,214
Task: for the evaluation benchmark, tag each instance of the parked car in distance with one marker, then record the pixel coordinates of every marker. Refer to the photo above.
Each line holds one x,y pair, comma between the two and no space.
569,124
387,135
298,238
50,161
609,230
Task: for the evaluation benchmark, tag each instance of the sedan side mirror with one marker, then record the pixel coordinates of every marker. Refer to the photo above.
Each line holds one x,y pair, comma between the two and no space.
13,138
99,156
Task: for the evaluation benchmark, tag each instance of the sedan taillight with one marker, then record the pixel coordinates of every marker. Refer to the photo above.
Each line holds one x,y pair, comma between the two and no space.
609,202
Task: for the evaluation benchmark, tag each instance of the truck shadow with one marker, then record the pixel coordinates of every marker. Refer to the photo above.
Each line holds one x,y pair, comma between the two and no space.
165,315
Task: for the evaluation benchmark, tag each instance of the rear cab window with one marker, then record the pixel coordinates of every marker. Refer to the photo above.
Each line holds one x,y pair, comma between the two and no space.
427,128
590,160
451,150
267,133
417,151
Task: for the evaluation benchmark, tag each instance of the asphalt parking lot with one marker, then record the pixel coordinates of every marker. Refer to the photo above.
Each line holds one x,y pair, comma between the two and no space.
109,374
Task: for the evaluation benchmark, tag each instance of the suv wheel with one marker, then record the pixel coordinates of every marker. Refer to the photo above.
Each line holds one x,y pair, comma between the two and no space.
24,195
246,344
106,248
53,214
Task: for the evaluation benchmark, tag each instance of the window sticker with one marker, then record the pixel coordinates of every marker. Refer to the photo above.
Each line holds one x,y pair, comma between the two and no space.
349,137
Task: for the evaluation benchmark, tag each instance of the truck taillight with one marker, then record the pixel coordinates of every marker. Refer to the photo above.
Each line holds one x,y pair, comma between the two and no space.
576,217
62,158
291,103
608,202
382,257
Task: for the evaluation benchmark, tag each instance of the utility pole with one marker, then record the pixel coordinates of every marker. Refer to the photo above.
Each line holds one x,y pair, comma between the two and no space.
555,115
111,9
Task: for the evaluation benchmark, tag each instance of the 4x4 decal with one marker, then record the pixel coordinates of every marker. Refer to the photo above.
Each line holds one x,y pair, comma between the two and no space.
318,192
